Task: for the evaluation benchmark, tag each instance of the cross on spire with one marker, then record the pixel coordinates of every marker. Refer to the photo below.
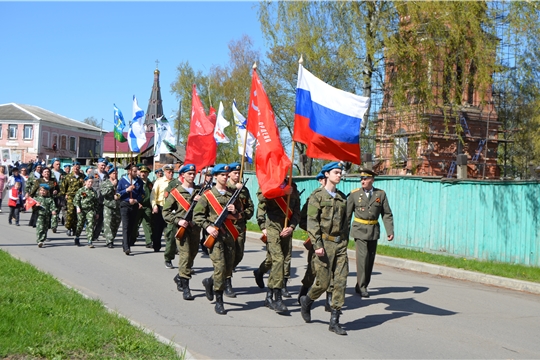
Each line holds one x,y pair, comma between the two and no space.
157,64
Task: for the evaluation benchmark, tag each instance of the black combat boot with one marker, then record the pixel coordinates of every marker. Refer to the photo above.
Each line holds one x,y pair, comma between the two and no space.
303,291
220,309
177,280
269,300
284,292
328,305
334,323
208,284
259,278
229,292
185,286
279,306
306,303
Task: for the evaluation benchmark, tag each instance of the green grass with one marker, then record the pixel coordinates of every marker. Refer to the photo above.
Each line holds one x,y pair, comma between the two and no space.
513,271
41,318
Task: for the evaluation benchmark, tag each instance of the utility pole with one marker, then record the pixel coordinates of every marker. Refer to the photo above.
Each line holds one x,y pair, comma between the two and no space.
178,118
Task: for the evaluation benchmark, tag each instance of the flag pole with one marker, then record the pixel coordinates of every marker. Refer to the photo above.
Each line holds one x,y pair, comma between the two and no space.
244,153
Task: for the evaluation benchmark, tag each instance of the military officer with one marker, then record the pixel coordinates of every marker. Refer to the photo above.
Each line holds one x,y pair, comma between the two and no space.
100,175
271,215
111,207
157,200
328,230
70,185
86,202
247,211
44,208
208,182
144,214
206,212
58,174
364,206
175,208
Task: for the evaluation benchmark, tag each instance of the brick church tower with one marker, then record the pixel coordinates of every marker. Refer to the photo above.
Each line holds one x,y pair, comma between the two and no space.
155,104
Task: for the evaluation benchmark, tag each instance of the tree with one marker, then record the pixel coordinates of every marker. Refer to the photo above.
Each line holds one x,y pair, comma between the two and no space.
92,121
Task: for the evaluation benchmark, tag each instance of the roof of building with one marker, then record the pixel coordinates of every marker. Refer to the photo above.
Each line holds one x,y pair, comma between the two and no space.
12,111
123,147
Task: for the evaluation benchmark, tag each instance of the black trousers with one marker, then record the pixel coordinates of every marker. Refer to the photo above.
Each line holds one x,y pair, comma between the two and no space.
129,217
98,226
159,226
14,213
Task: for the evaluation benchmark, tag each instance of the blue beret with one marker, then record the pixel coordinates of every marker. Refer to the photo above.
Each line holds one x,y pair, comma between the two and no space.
55,159
320,176
66,165
45,186
186,168
110,164
89,177
235,166
76,163
158,170
331,166
111,170
220,168
102,160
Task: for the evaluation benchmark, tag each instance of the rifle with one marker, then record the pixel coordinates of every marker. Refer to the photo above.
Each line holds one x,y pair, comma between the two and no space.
189,214
264,238
210,240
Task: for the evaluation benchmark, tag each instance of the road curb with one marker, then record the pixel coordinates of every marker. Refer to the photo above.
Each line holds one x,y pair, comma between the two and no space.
460,274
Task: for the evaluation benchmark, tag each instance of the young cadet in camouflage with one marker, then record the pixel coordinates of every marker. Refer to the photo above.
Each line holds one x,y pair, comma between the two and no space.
169,233
247,212
222,254
44,208
144,213
174,213
366,204
52,193
71,184
34,175
271,220
86,203
111,207
328,230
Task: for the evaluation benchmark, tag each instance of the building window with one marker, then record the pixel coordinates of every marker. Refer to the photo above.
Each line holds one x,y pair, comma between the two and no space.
45,139
0,131
28,132
400,147
63,142
72,143
12,132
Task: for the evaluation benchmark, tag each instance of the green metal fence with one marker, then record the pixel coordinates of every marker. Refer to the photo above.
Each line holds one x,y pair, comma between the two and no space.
485,220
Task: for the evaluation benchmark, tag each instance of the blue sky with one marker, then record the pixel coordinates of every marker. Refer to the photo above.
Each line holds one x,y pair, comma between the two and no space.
78,58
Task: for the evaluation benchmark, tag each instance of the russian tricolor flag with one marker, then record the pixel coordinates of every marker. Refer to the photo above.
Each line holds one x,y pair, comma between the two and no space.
327,120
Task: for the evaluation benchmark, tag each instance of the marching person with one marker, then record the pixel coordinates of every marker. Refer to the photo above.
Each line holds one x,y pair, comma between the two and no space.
86,202
131,191
271,215
44,208
247,211
157,200
328,230
100,175
364,206
208,179
70,185
208,209
144,214
52,193
36,174
15,202
175,208
58,174
111,207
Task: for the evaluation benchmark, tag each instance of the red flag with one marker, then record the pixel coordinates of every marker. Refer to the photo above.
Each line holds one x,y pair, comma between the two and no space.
272,163
201,147
29,203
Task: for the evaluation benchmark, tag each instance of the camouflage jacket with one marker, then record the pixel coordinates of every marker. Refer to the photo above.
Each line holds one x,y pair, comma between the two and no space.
46,206
53,185
172,210
326,217
71,184
86,199
204,215
248,209
269,210
108,190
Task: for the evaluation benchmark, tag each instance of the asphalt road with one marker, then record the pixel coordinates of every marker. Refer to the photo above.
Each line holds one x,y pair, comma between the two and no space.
409,315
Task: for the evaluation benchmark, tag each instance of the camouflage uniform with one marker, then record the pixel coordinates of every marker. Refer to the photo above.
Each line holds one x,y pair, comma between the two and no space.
189,245
170,232
327,228
70,185
272,218
86,200
247,212
44,213
111,211
222,254
53,185
96,185
144,216
59,200
28,188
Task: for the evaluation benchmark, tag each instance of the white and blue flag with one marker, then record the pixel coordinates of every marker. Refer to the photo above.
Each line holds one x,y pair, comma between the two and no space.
241,123
136,133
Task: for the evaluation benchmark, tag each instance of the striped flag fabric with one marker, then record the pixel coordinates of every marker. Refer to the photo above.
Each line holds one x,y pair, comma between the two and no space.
240,122
136,133
221,124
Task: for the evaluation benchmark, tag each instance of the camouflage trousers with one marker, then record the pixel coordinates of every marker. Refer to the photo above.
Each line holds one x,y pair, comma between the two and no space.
222,256
42,226
88,217
278,255
188,248
71,215
170,243
266,265
111,223
309,276
239,248
334,263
